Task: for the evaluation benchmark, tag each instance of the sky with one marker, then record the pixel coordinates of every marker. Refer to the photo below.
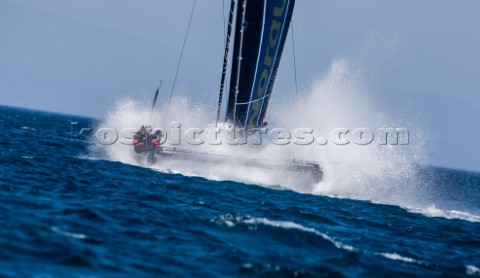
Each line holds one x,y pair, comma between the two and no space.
419,58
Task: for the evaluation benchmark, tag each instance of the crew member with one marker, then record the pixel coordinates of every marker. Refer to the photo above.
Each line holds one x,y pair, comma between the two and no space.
154,139
140,140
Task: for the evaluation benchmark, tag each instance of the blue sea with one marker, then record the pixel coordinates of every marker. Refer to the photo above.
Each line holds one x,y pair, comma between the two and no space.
67,213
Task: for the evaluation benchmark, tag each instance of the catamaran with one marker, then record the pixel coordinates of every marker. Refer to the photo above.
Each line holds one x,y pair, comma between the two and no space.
260,28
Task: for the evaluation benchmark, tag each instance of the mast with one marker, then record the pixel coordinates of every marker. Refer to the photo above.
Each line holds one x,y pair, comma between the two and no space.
225,59
237,54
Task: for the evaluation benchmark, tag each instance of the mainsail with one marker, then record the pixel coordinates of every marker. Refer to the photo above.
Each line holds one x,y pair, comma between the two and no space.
260,31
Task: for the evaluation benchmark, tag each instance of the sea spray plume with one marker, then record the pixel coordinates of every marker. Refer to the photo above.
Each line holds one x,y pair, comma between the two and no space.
337,100
390,174
381,173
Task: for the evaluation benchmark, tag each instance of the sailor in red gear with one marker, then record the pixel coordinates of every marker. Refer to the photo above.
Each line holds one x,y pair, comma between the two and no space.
154,139
140,140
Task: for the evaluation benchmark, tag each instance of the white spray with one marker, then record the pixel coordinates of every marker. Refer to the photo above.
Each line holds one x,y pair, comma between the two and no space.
375,172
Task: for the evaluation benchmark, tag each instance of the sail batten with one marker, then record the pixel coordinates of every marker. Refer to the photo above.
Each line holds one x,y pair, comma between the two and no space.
260,34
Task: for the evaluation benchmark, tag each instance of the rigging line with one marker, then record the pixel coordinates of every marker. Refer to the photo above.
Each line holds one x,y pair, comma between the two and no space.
227,79
294,67
178,65
155,98
224,23
225,60
299,40
171,40
224,42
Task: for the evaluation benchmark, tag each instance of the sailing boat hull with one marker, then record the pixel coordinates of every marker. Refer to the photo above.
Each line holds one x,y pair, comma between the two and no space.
305,172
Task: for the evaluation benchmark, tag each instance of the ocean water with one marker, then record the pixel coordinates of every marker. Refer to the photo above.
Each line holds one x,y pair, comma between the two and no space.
66,211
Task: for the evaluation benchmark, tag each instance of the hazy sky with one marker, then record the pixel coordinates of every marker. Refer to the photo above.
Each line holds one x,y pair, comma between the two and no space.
421,58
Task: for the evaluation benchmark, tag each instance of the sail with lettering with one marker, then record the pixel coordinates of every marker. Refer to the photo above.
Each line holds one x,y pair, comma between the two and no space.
261,28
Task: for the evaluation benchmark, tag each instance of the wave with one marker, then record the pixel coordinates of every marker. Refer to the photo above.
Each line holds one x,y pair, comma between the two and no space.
68,234
472,270
397,257
432,211
232,221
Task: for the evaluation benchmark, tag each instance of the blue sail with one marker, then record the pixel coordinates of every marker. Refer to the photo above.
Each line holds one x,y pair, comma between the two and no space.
260,32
